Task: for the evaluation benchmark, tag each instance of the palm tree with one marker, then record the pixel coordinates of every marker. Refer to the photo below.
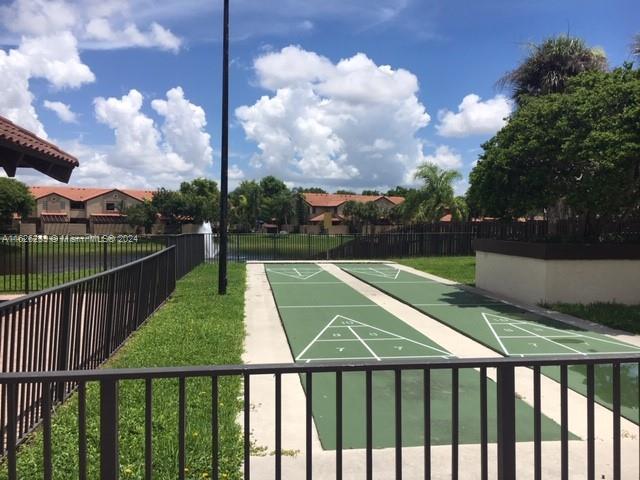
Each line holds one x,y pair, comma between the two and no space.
635,46
550,64
436,197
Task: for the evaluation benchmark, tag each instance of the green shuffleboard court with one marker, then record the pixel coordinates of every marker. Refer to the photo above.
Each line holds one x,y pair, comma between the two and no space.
326,320
507,329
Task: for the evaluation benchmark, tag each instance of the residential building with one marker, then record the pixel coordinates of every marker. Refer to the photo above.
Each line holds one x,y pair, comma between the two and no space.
77,211
319,204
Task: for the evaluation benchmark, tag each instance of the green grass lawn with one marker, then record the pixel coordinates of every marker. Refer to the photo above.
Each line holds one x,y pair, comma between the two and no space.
458,269
614,315
195,327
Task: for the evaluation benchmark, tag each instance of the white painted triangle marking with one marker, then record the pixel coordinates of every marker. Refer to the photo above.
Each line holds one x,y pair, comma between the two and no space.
357,323
294,273
495,334
374,272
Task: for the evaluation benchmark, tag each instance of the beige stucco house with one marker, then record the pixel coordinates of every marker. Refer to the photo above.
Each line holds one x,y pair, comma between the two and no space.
76,211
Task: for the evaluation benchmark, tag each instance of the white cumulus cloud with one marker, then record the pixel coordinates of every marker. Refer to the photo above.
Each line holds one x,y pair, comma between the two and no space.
54,58
101,34
100,24
347,123
177,150
63,111
475,116
47,36
445,157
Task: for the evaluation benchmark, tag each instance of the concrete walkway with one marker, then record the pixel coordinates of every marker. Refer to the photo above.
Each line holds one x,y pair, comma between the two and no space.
266,343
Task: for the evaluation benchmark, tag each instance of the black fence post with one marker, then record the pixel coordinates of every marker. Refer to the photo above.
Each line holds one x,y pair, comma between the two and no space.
506,423
63,339
109,461
111,299
104,255
27,268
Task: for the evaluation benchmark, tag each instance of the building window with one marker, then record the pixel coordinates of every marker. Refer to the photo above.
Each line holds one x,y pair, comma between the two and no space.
77,205
111,207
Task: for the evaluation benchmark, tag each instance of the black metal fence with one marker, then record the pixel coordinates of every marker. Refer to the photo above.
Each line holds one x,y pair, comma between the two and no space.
41,389
32,263
255,247
75,326
567,231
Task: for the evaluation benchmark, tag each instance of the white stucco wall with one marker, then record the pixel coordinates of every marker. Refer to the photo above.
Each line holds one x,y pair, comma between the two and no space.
536,281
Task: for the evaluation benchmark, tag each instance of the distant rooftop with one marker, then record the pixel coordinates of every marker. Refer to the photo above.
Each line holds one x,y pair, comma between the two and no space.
334,199
80,194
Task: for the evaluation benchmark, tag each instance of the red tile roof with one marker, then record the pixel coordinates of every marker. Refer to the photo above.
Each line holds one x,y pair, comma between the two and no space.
29,141
333,200
79,194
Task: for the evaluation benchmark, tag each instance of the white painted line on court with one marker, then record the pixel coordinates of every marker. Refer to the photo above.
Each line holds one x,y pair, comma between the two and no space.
595,339
340,359
548,340
317,336
454,304
365,344
402,281
504,349
296,274
327,306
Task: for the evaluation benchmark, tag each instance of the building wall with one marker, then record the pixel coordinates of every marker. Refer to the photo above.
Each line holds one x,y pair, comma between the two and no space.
385,204
535,281
27,228
64,229
98,205
52,203
112,228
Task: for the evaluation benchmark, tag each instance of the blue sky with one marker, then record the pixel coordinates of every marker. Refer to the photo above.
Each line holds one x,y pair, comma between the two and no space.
354,124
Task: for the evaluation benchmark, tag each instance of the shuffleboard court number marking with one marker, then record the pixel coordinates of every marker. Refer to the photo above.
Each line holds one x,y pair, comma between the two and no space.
532,330
353,326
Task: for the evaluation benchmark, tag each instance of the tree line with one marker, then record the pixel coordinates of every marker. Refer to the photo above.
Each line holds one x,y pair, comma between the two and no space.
571,148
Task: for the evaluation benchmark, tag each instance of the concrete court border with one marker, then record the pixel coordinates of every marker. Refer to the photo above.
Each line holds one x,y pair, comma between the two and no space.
265,329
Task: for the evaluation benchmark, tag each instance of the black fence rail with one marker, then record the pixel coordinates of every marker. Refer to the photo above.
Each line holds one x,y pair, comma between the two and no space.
397,245
506,372
75,326
190,251
32,263
568,230
255,246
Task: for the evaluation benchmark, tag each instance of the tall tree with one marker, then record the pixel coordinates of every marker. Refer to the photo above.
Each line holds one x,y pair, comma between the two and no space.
244,204
635,46
436,197
374,193
276,203
550,64
398,191
345,192
362,215
310,190
168,203
201,198
142,215
15,198
580,148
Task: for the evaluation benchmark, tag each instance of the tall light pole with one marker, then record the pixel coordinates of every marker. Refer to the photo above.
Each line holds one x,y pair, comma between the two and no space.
224,156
